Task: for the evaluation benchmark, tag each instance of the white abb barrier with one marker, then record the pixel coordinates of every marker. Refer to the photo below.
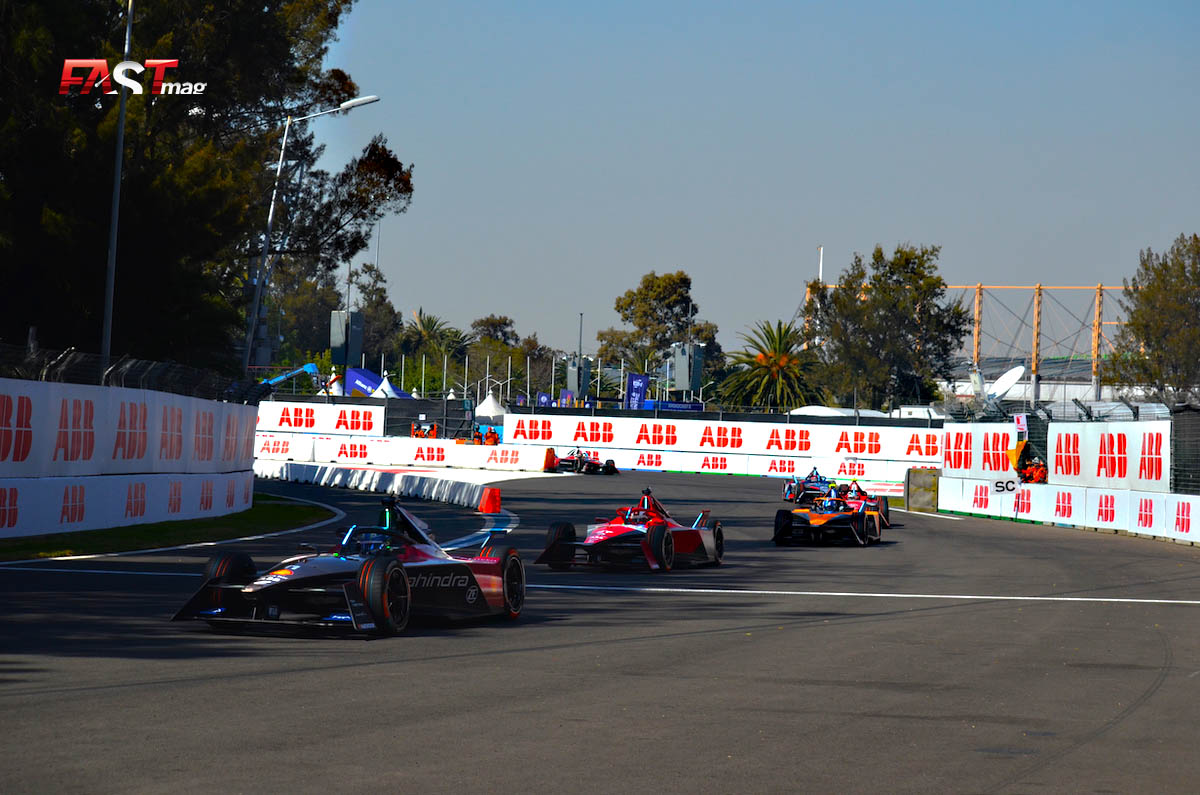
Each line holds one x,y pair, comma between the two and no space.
425,486
50,429
1113,455
36,506
1135,511
329,418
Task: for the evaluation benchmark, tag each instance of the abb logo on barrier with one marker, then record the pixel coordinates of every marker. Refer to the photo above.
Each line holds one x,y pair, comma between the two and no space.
981,497
352,451
958,450
1183,517
8,507
429,454
246,493
230,493
594,432
533,430
649,460
175,497
229,447
72,505
653,433
1107,510
76,438
995,455
135,500
275,447
170,440
1062,504
715,463
202,442
206,495
1113,460
1023,502
354,420
16,437
297,418
784,465
131,432
1066,454
1145,512
852,469
723,437
1151,466
789,440
503,456
929,448
858,442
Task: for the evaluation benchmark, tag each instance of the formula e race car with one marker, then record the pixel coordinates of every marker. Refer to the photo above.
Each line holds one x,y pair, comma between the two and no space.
804,491
642,533
857,518
579,460
371,581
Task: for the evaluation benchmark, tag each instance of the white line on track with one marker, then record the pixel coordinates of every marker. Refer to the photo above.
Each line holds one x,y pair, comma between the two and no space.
927,513
46,569
867,595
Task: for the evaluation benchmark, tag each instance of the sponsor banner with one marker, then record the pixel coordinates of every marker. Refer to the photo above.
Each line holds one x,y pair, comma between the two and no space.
977,450
36,506
1114,455
283,446
56,430
322,418
1108,508
1179,512
916,445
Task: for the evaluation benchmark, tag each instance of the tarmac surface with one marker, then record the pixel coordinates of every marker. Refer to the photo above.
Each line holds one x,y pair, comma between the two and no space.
962,655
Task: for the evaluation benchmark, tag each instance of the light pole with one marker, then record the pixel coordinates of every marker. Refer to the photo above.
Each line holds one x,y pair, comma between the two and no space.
110,274
261,272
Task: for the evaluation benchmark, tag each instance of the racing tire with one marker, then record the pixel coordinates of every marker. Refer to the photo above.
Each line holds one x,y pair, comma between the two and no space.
858,527
579,465
783,527
560,556
662,546
388,594
512,582
879,524
229,568
610,467
883,510
718,536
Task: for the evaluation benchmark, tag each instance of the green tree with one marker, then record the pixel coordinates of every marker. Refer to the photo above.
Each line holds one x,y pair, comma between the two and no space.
661,311
381,322
495,327
198,170
1156,348
300,303
885,332
773,370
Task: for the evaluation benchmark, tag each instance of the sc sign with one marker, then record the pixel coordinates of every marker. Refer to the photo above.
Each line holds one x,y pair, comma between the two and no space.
98,75
1001,486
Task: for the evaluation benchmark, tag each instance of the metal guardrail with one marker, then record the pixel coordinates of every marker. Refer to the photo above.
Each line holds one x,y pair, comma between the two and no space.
77,367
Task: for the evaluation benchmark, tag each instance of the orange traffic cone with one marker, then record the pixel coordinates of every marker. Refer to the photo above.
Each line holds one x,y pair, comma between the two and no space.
490,502
551,463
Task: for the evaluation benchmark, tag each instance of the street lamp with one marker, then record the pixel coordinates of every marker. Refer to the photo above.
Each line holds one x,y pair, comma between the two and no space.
261,272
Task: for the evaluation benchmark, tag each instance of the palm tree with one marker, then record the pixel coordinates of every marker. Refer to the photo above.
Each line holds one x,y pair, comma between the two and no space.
773,369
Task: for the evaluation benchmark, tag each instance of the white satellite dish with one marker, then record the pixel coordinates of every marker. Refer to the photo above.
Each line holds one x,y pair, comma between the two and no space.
1006,382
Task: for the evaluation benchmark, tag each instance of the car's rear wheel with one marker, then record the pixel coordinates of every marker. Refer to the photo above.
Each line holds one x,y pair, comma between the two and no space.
783,527
512,582
229,568
388,594
560,553
610,467
578,464
662,546
718,537
883,510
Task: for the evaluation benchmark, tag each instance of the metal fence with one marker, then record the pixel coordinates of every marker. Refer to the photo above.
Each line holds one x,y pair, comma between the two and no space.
76,367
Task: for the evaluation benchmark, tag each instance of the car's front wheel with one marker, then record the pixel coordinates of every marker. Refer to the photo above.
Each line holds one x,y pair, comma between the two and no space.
560,552
718,537
388,594
662,546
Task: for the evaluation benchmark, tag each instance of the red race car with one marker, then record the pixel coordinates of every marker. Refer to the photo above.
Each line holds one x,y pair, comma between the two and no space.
579,460
639,534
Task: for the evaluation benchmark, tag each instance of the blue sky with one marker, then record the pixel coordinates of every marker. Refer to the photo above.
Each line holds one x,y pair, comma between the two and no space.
561,152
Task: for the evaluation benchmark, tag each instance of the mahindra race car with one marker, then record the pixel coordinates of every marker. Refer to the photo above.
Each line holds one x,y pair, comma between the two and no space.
371,581
579,460
856,517
642,533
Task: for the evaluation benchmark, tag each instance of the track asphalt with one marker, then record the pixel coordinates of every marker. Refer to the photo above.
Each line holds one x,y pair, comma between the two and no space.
905,667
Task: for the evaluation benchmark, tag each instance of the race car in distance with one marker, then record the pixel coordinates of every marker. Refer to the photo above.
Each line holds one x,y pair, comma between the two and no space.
642,533
372,581
857,518
579,460
803,492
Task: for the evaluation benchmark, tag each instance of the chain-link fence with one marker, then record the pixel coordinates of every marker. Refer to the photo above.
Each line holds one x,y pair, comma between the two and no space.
76,367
